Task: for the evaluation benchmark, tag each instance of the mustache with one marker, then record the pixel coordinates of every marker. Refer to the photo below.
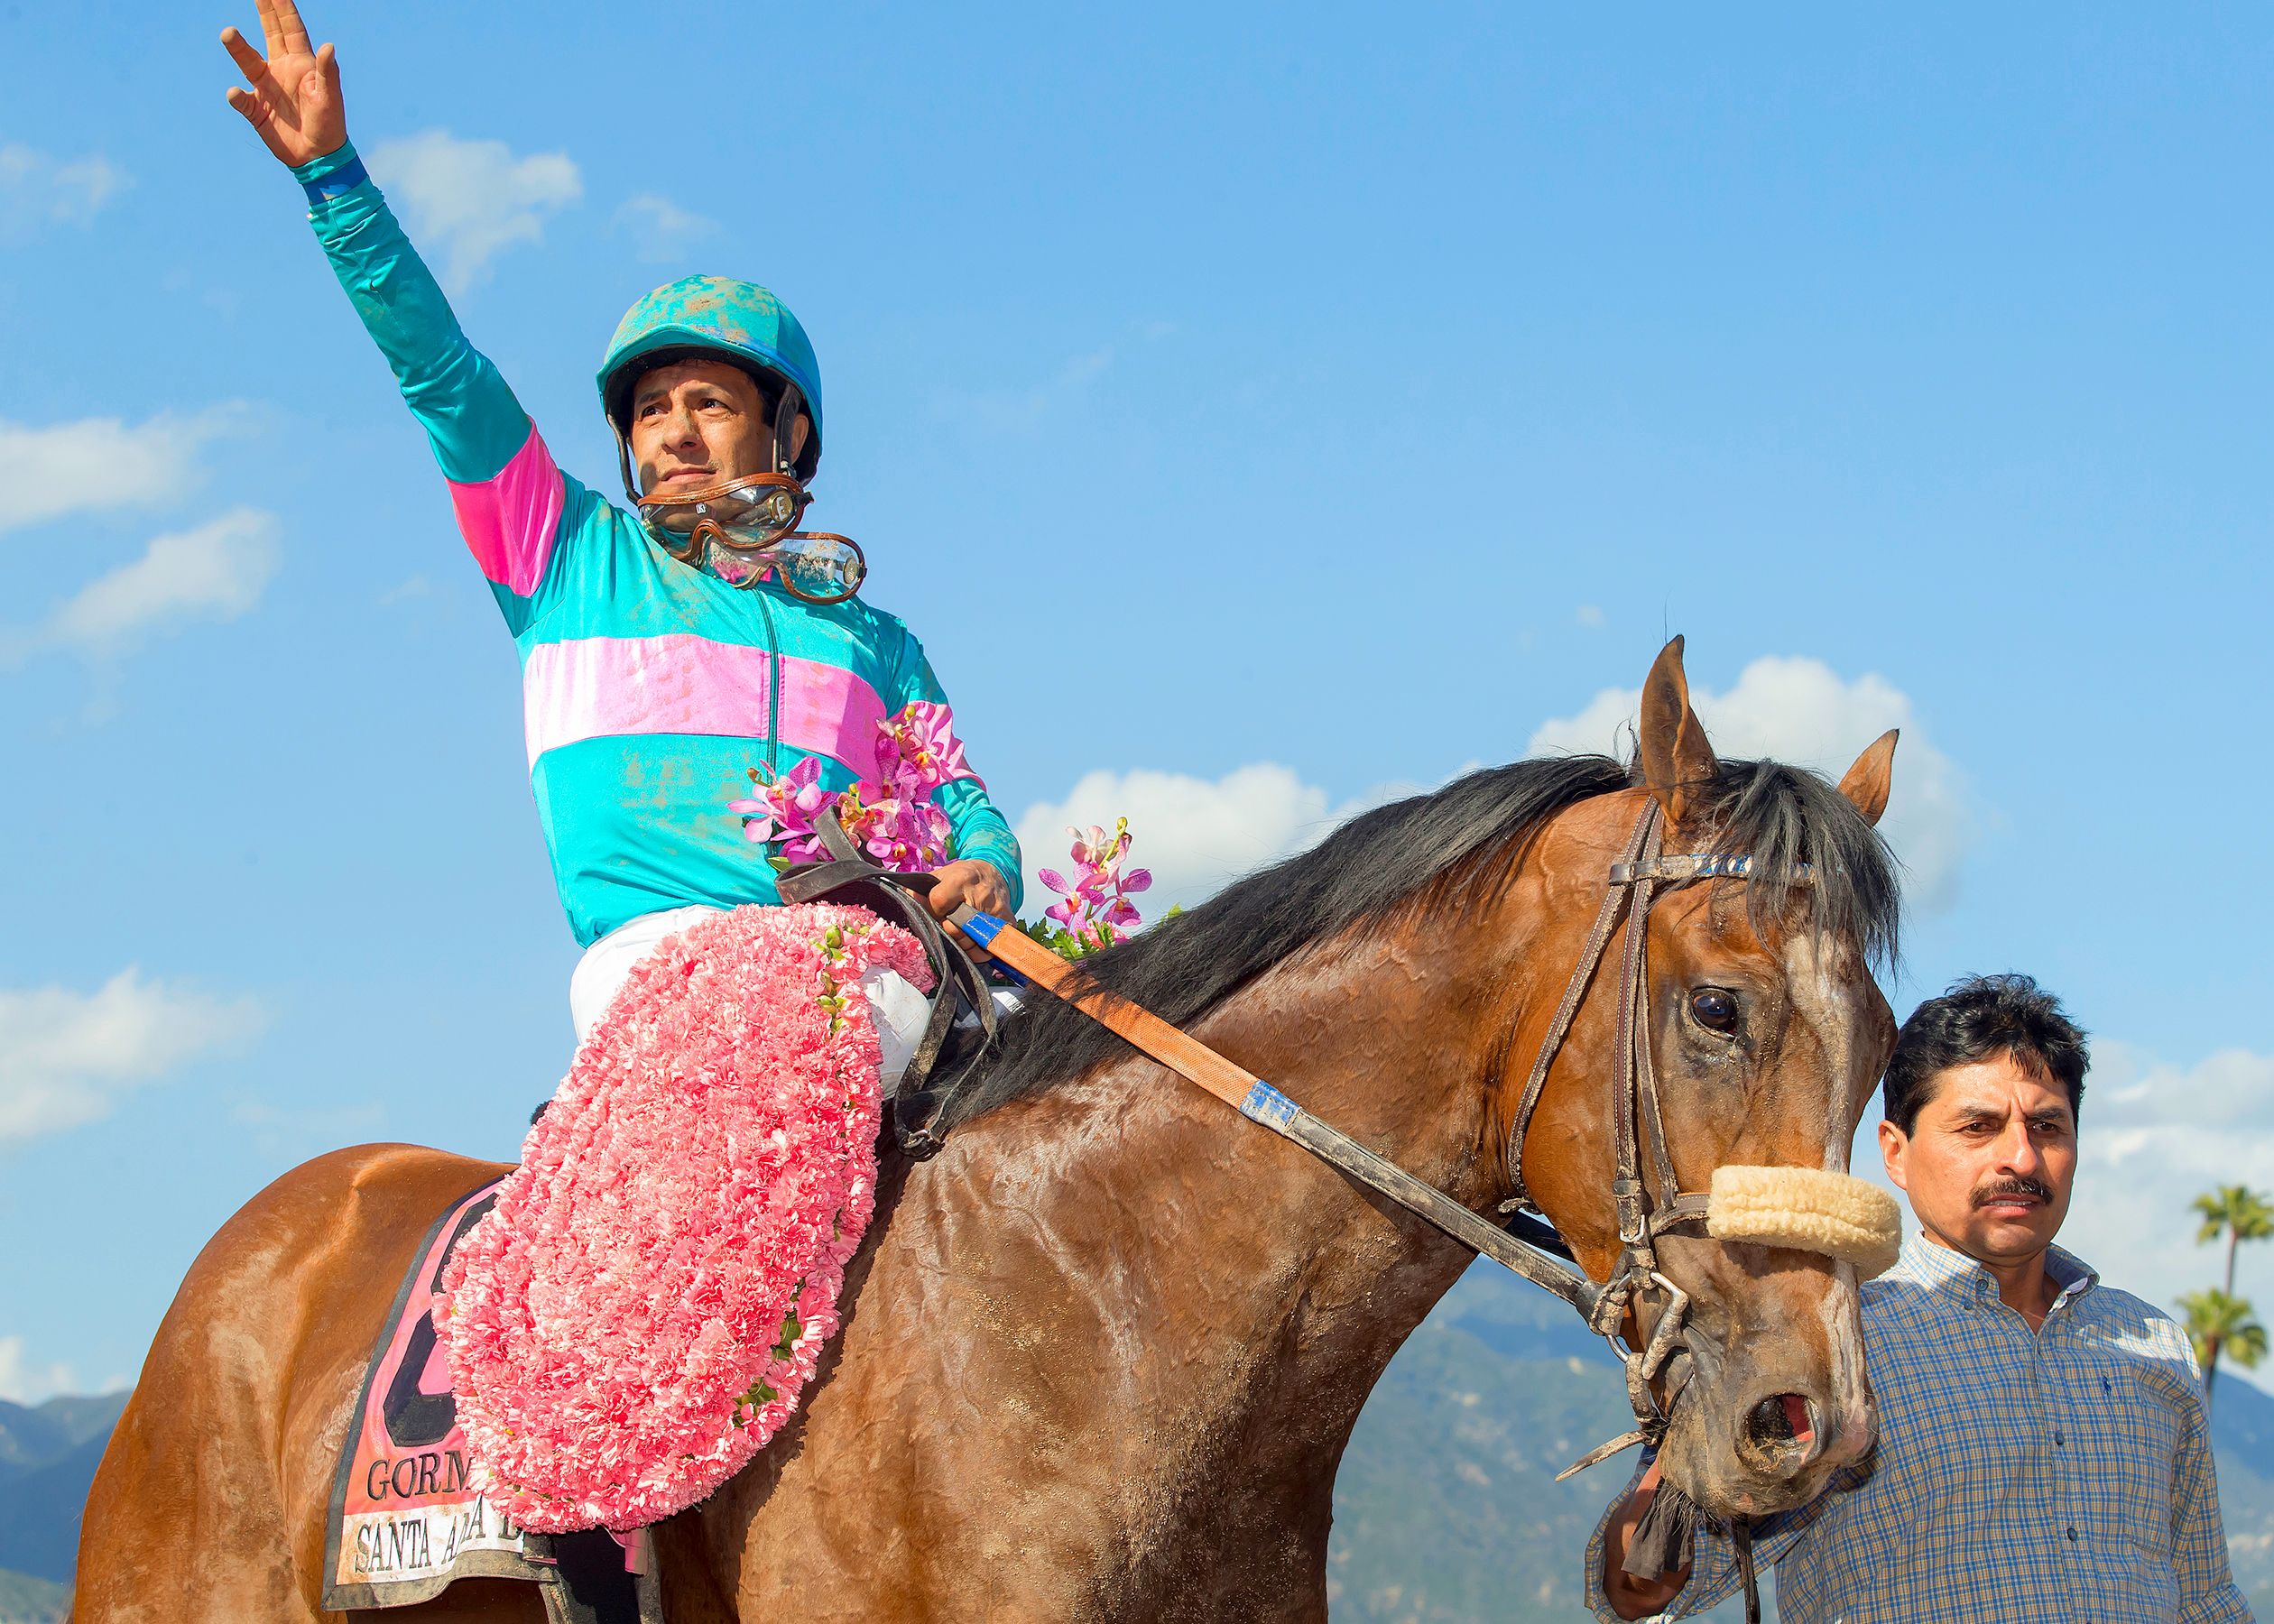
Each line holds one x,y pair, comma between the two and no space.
2014,1187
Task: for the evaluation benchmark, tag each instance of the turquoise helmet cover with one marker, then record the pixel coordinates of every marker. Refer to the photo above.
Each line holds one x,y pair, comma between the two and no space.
740,321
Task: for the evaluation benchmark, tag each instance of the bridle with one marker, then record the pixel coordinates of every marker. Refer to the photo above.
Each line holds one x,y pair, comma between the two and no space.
1635,882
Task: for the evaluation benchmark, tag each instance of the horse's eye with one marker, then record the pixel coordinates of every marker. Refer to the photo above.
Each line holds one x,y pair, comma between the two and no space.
1714,1009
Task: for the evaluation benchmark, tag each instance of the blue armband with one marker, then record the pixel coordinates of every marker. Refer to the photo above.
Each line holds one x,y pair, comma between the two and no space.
338,183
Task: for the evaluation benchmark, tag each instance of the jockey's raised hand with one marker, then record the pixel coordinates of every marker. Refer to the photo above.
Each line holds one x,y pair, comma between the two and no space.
294,100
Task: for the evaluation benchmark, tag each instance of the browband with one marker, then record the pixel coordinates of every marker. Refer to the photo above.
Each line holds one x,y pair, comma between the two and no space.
1675,868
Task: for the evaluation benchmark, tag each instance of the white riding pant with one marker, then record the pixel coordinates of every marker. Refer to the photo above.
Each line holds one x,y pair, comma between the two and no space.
901,1011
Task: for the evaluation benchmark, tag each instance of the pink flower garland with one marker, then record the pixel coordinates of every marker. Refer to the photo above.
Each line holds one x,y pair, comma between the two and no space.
643,1307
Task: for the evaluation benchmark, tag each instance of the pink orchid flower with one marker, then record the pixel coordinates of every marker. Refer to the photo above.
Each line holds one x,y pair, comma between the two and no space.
891,817
785,810
920,746
1098,895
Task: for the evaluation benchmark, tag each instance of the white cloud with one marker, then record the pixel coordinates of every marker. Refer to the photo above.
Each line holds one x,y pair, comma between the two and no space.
23,1382
1800,711
96,464
663,230
2154,1136
469,200
1590,616
38,189
216,571
1194,833
65,1056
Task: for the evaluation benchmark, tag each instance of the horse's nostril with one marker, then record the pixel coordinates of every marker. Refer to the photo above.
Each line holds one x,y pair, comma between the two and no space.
1768,1423
1783,1427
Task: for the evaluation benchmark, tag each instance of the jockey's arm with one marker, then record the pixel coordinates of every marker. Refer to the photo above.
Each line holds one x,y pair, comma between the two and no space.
510,497
512,501
986,872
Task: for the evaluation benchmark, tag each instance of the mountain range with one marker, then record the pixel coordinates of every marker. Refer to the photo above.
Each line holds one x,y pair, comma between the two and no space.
48,1454
1447,1510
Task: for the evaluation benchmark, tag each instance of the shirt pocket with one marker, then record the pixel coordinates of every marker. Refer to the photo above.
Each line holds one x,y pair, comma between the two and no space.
2124,1427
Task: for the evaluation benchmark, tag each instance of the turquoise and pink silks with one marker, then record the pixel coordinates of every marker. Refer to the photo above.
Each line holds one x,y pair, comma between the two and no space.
649,688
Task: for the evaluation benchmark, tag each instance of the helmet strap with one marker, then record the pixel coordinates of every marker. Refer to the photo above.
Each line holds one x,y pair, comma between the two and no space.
785,428
623,463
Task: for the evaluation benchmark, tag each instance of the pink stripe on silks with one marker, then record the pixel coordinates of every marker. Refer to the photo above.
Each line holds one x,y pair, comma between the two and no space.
593,687
508,521
828,711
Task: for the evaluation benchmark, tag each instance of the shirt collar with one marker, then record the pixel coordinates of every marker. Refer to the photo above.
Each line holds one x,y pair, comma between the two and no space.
1939,1268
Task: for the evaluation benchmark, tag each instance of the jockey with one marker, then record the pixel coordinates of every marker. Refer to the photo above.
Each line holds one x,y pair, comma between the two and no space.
658,666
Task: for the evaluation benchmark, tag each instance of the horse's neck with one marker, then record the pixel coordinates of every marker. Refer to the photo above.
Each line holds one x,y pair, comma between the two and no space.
1229,1299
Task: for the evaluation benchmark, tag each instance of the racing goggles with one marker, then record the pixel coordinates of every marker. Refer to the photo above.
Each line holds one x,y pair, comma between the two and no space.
746,528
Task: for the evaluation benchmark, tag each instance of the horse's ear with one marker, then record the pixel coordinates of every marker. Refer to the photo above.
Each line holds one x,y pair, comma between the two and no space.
1677,761
1868,781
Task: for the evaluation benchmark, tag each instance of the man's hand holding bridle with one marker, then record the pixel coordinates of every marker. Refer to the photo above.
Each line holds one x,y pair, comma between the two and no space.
294,100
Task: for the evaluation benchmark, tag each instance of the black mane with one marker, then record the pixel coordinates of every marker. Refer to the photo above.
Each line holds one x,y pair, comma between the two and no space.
1456,846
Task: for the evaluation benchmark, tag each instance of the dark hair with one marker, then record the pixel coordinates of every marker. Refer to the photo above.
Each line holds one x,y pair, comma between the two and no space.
1459,847
1982,1018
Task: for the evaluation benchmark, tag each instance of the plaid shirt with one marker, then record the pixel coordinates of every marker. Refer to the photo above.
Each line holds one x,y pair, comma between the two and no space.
2061,1476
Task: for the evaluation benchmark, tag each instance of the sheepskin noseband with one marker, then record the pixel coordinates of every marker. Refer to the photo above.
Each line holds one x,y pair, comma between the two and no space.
1810,1209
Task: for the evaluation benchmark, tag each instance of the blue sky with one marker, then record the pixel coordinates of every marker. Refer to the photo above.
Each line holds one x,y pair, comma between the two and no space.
1919,353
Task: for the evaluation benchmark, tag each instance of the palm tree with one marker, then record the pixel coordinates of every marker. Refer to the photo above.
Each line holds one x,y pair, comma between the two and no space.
2237,1211
2220,1323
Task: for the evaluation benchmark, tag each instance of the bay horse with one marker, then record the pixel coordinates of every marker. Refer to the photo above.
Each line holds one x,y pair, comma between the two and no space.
1102,1355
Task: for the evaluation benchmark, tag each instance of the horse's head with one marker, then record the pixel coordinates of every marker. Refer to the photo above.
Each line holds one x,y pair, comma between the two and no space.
1764,1034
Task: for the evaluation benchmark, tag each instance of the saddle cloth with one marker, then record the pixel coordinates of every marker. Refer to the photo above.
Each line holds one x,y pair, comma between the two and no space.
404,1521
